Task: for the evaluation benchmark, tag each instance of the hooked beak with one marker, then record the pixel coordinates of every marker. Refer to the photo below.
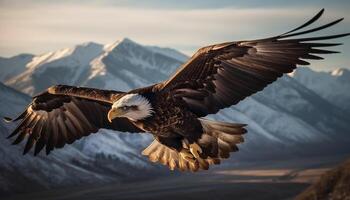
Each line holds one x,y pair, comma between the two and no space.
114,113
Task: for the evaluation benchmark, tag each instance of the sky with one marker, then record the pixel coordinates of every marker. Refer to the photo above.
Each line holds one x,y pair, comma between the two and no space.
42,25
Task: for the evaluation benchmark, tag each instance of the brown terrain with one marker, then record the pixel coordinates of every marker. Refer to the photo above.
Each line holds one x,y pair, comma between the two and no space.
269,180
334,184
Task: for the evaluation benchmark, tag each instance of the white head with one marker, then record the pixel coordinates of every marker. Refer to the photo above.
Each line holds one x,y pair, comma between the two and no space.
132,106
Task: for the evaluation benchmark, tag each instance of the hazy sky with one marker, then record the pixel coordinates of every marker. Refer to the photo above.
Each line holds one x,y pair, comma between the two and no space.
40,26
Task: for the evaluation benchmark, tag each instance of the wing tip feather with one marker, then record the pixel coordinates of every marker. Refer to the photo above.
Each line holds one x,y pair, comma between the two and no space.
306,24
7,119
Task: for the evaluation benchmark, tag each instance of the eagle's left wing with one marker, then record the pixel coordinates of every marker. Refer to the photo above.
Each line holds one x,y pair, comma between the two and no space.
221,75
64,114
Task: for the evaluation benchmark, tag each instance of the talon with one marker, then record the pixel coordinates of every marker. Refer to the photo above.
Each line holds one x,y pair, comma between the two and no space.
186,155
195,149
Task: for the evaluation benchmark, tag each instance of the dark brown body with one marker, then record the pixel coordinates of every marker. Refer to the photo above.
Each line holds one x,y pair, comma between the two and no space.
171,120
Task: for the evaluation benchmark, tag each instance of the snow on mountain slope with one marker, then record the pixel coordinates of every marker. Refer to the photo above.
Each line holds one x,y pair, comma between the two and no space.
290,97
333,86
169,52
129,65
62,66
110,66
79,55
11,67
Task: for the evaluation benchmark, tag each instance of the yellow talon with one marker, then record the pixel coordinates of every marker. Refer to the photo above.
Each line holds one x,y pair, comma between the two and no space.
195,149
186,155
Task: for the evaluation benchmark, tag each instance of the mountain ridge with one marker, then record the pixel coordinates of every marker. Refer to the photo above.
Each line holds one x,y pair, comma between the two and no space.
125,64
333,85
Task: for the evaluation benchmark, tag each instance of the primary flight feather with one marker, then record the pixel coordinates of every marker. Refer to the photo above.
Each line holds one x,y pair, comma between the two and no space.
215,77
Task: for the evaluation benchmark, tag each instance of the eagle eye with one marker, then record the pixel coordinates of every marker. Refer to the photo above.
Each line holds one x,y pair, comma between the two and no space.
134,107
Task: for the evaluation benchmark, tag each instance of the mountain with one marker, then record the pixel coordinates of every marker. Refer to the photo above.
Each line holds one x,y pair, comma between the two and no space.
125,64
62,66
334,184
333,86
169,52
287,119
111,66
10,67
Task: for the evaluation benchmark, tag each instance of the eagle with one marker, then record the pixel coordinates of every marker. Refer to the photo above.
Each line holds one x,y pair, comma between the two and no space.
173,111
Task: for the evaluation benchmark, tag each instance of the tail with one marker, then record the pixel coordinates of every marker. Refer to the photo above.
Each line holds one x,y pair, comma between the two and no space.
217,141
220,138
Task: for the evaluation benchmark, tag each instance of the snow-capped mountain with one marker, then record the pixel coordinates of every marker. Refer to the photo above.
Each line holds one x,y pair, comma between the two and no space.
126,65
333,86
301,112
290,119
286,118
62,66
111,66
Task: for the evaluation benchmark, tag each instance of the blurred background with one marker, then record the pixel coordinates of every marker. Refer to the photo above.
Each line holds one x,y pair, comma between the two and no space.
298,131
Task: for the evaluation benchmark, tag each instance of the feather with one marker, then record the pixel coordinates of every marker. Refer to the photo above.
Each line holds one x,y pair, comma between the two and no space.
314,29
312,20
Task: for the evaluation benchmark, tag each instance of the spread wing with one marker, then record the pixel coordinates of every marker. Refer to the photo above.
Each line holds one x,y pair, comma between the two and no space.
64,114
221,75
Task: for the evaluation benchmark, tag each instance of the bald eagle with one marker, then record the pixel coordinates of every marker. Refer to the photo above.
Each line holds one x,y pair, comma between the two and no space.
173,111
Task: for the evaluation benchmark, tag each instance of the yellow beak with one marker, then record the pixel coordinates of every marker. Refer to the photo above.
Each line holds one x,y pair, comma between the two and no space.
114,113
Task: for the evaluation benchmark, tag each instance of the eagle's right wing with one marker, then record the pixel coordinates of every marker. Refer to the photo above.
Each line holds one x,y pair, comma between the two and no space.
64,114
221,75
